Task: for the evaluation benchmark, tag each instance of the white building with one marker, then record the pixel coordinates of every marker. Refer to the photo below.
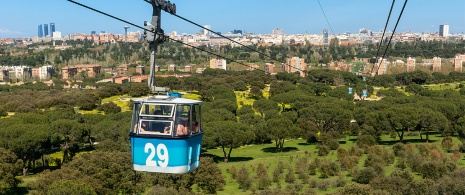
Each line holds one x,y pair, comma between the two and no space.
444,30
57,35
218,64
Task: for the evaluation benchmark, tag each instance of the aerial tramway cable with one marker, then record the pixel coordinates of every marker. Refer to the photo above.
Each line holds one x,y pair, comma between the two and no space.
138,26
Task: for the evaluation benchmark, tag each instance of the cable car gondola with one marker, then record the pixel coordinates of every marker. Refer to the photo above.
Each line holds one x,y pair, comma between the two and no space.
166,134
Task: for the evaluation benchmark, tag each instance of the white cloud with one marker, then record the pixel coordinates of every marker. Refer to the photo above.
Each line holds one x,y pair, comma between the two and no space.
9,32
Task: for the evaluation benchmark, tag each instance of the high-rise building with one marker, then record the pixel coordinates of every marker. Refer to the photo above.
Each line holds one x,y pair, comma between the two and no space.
40,32
237,31
205,31
444,30
295,64
325,37
46,30
52,28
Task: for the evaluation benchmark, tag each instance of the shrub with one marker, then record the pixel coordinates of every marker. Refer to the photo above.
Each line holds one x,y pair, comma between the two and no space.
398,149
243,178
355,151
447,143
360,189
333,144
276,175
233,172
290,177
432,169
365,175
340,182
366,141
342,153
323,184
312,168
263,180
405,174
323,150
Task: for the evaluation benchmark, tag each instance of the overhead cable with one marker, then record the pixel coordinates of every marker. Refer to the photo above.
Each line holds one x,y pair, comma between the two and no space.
216,33
394,31
135,25
384,31
326,17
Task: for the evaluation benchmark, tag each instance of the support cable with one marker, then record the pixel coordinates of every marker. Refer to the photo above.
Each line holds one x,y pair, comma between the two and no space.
135,25
382,37
326,17
390,39
252,49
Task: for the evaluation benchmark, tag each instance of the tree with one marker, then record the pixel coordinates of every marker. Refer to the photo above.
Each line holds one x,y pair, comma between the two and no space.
263,105
10,166
256,92
228,135
279,129
71,188
401,119
110,108
430,120
325,117
208,176
104,172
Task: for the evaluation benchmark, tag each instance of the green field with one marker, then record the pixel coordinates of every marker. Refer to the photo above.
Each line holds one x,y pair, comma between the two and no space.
252,155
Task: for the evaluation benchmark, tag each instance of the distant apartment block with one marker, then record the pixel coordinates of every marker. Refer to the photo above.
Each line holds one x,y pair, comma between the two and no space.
458,63
70,71
43,73
295,64
187,68
122,70
382,66
218,64
269,68
140,69
25,73
172,67
399,63
253,67
437,64
411,62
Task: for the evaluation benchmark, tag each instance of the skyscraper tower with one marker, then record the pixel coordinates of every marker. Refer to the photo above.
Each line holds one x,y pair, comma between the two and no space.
52,28
126,33
40,31
444,30
45,30
325,37
206,32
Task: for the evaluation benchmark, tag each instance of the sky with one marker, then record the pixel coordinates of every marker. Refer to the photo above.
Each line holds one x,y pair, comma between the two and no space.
21,18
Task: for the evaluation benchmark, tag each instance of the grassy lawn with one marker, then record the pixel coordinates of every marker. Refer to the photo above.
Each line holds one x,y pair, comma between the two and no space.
252,155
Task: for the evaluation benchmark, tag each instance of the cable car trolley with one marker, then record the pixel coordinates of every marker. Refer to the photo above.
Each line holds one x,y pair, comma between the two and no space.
166,134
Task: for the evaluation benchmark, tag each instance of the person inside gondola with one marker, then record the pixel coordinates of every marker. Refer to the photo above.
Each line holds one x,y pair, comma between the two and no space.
143,126
183,128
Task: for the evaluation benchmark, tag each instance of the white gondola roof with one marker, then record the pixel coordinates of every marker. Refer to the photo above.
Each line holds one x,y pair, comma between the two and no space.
167,99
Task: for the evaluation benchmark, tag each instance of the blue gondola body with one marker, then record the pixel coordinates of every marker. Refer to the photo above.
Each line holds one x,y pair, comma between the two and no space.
182,154
351,90
365,93
172,150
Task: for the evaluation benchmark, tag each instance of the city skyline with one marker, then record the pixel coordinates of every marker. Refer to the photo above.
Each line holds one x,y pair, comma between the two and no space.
296,17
